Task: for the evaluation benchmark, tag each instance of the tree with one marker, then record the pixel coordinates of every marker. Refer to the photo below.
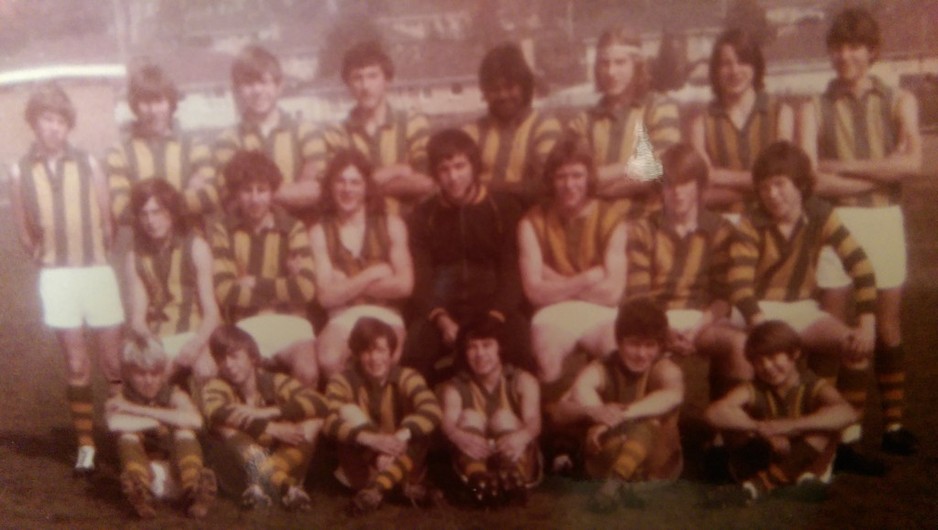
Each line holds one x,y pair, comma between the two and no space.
749,16
669,70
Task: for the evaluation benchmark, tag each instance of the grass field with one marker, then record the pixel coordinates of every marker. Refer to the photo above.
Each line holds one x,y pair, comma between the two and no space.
37,489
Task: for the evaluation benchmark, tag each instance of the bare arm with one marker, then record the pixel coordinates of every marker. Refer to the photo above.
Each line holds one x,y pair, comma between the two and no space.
181,414
541,288
304,191
721,177
472,444
583,402
729,413
608,291
401,281
529,394
667,382
402,181
833,415
333,288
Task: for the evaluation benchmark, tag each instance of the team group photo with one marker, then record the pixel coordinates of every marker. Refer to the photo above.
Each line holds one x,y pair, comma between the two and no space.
538,264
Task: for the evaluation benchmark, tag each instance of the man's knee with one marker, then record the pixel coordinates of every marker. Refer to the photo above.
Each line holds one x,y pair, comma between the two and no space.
352,415
503,421
470,419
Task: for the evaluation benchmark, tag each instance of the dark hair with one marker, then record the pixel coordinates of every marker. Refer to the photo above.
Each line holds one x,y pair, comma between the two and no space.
641,317
771,337
682,163
785,158
451,142
366,331
570,149
252,63
148,82
374,202
747,52
367,53
49,97
505,62
228,338
247,167
167,197
855,26
484,327
641,77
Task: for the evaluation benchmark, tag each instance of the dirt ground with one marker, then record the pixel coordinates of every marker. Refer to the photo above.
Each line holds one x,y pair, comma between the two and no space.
37,489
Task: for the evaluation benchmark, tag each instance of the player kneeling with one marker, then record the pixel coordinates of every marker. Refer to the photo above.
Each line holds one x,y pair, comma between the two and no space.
382,415
148,416
492,416
785,424
270,420
629,404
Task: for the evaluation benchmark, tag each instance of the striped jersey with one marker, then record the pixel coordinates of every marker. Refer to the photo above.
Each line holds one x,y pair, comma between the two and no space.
175,158
620,385
864,128
767,266
376,249
571,246
171,282
296,402
290,144
513,154
403,401
401,139
278,256
614,135
730,147
62,210
678,272
766,404
476,397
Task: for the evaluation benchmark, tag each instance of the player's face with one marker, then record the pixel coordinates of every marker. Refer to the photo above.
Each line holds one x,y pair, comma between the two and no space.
778,369
615,68
638,353
254,201
147,382
681,199
348,190
376,361
258,99
236,367
734,77
505,99
571,187
457,179
482,355
851,61
155,220
155,115
51,130
368,86
781,198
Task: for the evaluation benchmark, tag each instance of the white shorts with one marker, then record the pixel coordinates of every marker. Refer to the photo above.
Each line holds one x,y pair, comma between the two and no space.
173,343
881,233
274,333
565,325
76,296
682,320
346,318
799,315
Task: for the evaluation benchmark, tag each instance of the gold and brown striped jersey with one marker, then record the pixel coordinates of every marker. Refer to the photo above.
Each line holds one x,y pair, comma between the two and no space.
376,249
290,144
295,401
278,256
729,147
401,139
176,158
688,272
864,128
768,266
612,133
801,400
62,210
403,402
476,397
170,279
513,154
571,246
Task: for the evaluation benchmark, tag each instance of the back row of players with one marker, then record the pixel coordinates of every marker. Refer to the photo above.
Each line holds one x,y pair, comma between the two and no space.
521,242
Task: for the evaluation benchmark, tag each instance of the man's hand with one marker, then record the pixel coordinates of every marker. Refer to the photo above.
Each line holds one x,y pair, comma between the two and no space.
513,445
610,414
241,414
448,328
383,443
775,433
594,438
681,343
861,340
118,404
473,445
198,181
288,433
